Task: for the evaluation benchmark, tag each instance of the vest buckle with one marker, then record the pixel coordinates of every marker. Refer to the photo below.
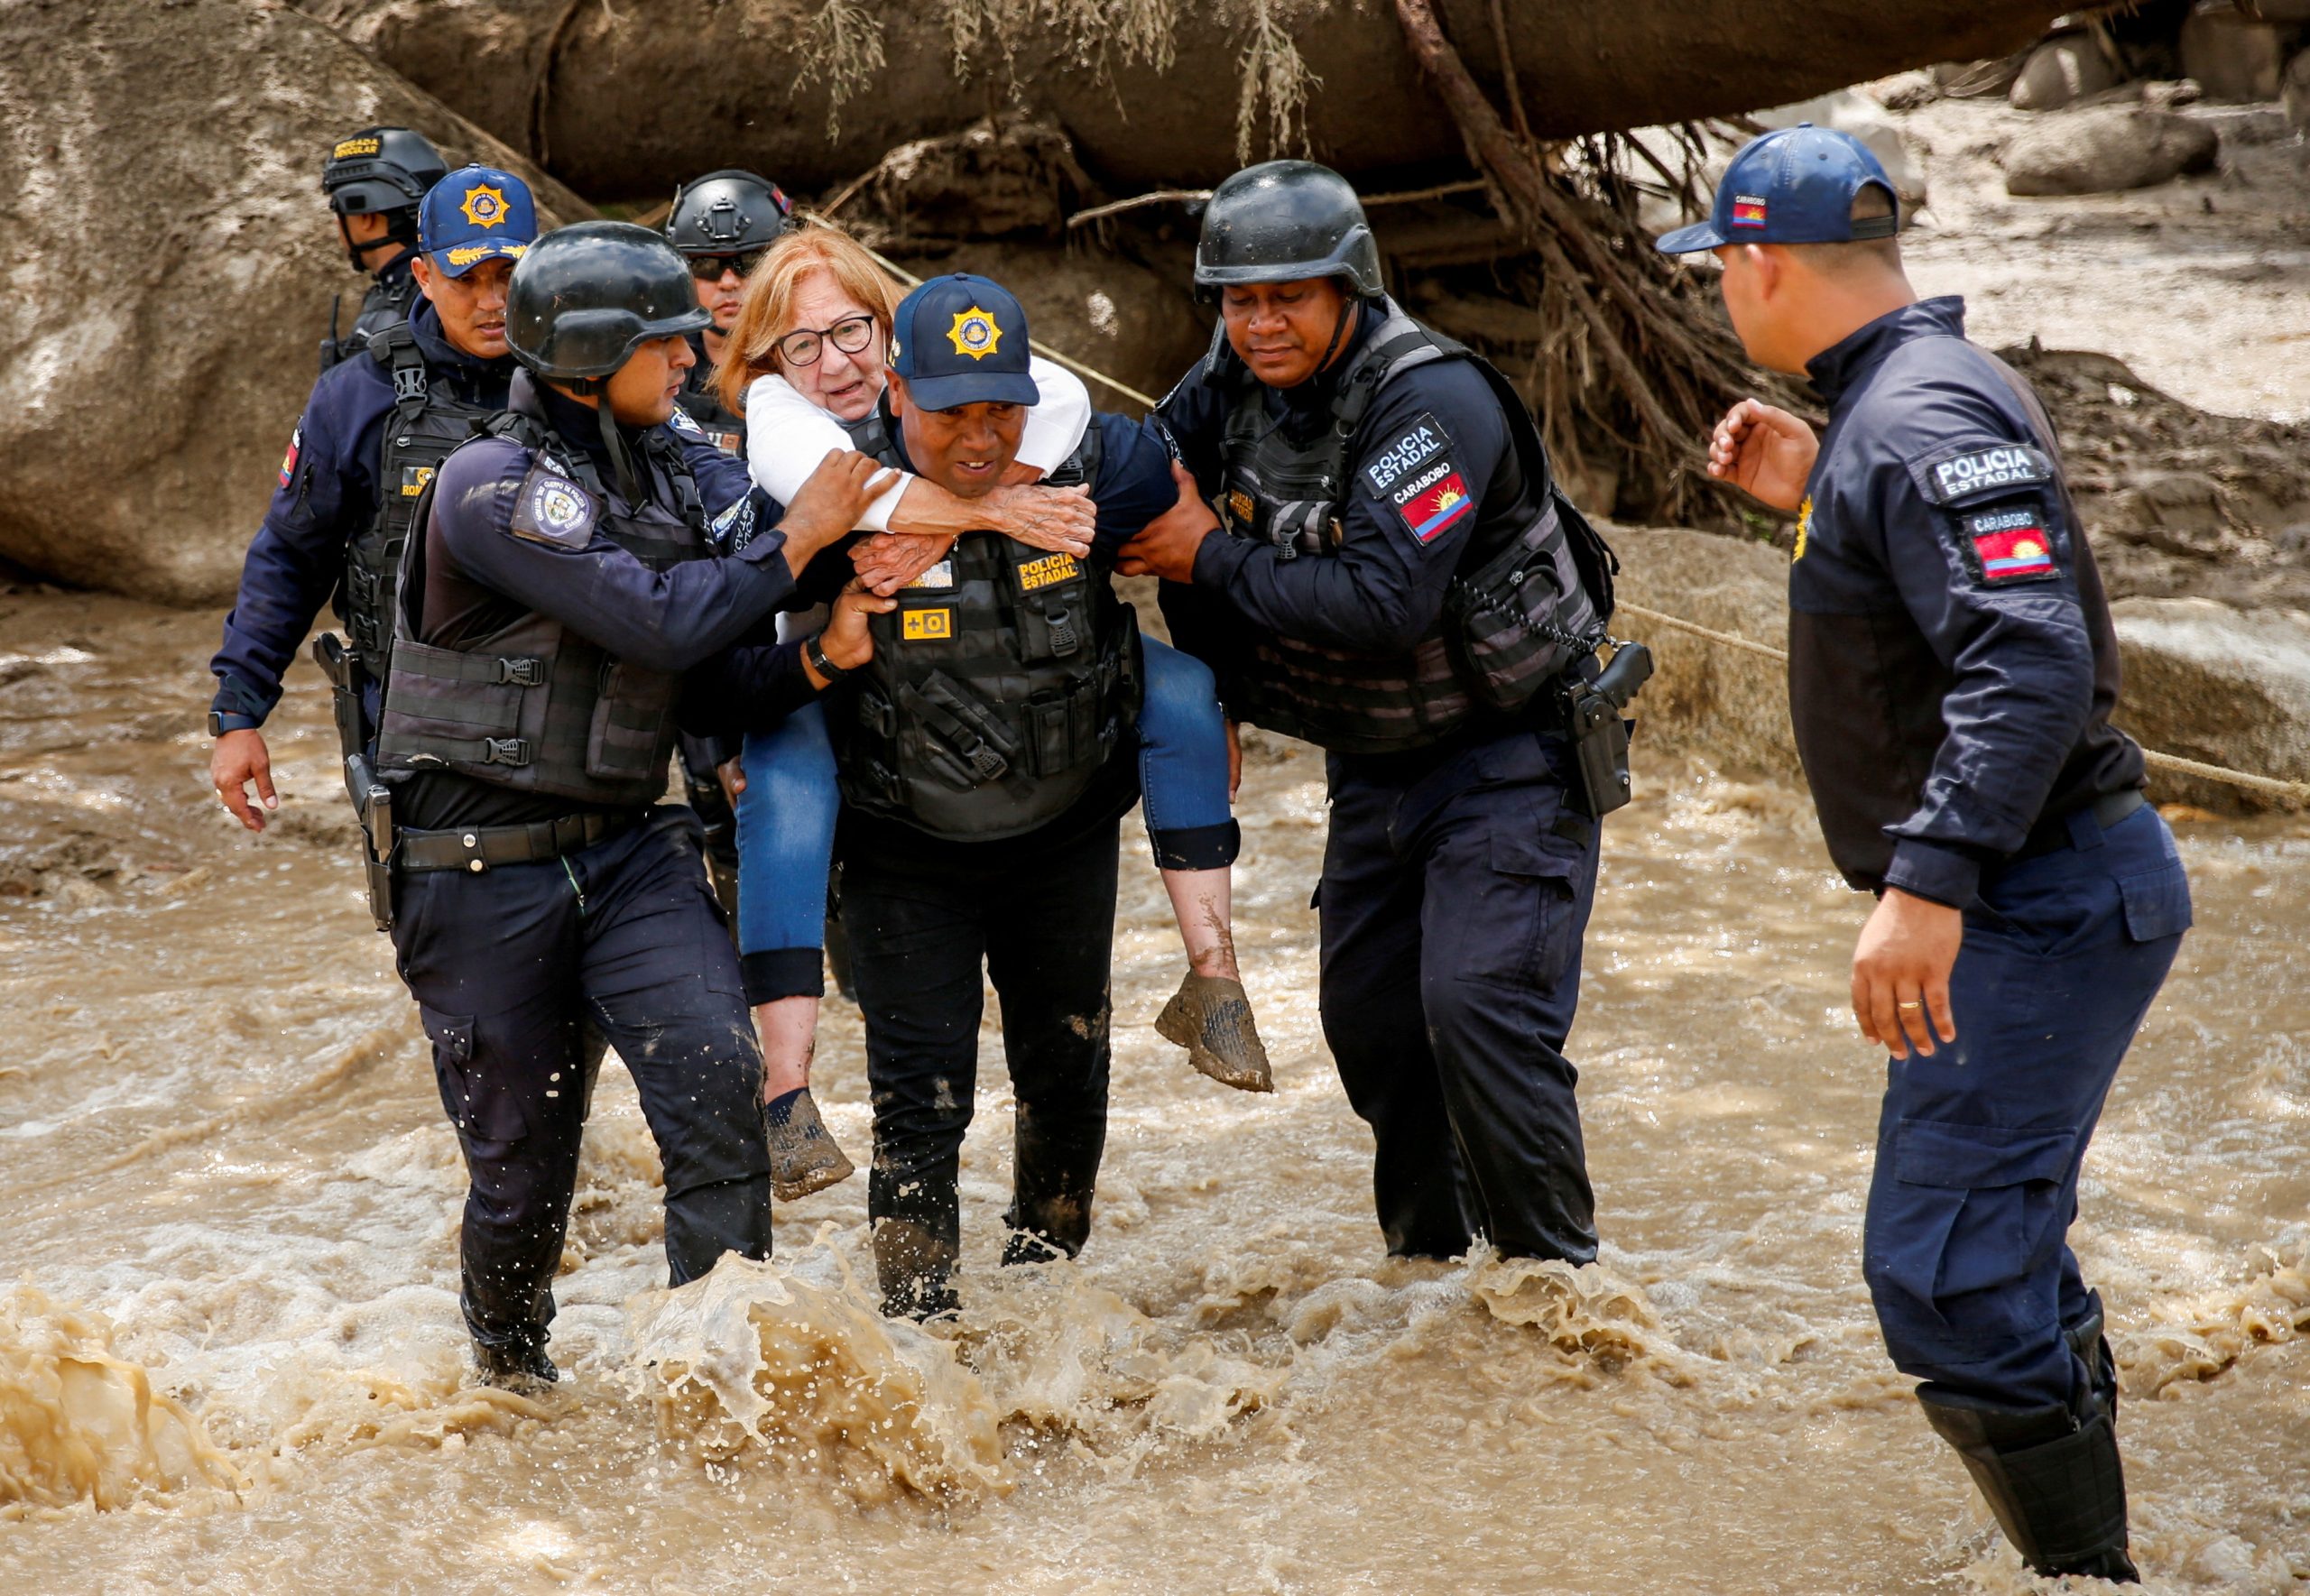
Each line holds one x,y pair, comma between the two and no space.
505,751
408,385
525,673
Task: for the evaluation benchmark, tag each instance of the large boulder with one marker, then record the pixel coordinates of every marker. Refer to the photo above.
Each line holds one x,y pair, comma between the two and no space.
2219,686
2065,69
2233,57
2105,149
623,100
169,271
1722,704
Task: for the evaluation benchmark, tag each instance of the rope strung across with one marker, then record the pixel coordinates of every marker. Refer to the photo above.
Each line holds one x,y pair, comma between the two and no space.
2296,791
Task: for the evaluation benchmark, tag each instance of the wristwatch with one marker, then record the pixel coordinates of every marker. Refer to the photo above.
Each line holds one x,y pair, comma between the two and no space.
815,652
220,723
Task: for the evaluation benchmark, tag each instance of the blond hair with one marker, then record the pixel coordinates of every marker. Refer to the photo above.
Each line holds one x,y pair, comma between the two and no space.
767,314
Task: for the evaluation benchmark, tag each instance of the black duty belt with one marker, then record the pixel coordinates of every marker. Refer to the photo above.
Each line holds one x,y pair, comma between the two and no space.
483,847
2053,833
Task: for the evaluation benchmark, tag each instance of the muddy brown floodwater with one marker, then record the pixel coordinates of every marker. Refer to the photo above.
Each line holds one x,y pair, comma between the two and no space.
228,1206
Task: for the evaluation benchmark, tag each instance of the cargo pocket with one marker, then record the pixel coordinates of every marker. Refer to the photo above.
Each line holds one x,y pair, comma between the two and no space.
1518,920
2157,902
1960,1242
452,1038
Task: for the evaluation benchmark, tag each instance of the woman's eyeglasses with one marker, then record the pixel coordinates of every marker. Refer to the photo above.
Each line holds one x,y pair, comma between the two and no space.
709,268
803,346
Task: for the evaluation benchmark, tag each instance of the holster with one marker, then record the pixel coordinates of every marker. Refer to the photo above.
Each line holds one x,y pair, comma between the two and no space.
373,800
1594,716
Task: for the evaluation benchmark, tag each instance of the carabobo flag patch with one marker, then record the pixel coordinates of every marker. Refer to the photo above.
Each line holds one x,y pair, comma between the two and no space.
552,509
2011,546
1438,500
288,460
1423,442
1748,211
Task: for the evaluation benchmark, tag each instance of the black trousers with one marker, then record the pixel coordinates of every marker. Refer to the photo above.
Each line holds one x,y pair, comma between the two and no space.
1454,895
1045,930
511,968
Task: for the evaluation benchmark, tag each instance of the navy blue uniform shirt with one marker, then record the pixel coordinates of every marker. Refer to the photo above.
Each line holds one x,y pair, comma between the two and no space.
327,494
690,618
1952,661
1384,590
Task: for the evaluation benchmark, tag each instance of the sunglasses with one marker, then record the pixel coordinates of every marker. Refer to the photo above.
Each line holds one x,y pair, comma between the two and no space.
803,346
707,268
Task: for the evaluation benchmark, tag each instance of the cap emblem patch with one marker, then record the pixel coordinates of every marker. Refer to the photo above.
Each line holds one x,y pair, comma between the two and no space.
1748,211
484,206
975,334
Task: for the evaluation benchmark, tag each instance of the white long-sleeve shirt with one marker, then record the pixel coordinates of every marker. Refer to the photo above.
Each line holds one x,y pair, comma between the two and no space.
787,436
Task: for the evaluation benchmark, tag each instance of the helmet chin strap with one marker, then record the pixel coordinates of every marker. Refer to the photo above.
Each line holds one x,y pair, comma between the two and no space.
1351,306
629,480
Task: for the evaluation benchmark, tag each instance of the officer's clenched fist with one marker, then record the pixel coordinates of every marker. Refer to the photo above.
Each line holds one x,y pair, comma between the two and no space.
1765,452
239,758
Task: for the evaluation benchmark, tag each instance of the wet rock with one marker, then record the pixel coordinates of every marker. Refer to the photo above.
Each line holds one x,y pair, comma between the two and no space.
1005,174
168,272
1727,706
2065,69
2295,90
2106,150
2212,683
1978,79
2233,57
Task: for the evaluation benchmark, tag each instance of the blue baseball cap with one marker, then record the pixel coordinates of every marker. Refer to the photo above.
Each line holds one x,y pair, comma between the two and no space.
962,340
475,214
1795,185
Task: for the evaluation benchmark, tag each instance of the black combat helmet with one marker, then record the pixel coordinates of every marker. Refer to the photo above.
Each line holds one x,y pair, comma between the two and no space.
380,169
585,296
1283,220
727,212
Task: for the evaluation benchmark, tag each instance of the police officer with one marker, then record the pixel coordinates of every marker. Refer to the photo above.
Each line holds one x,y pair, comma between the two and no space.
372,435
1362,463
375,180
984,756
721,224
1952,670
562,607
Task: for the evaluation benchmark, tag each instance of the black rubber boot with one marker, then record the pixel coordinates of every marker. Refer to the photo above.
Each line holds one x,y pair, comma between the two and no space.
2053,1478
916,1270
519,1367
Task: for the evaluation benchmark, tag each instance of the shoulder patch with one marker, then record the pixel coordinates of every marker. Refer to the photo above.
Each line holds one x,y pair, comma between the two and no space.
288,460
1403,456
683,423
1434,500
734,529
1962,475
2006,546
550,508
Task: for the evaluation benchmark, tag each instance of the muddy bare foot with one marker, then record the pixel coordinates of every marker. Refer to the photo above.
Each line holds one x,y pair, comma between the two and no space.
803,1157
1210,1017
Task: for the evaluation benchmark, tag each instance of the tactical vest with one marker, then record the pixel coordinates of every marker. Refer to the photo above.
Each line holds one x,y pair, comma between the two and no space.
1530,598
701,401
420,431
534,705
999,687
386,306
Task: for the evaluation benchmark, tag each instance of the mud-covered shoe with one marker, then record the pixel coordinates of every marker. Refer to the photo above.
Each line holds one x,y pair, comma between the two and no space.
1210,1017
803,1157
518,1367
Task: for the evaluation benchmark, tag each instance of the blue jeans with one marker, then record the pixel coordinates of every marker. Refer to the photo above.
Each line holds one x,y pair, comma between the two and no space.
1980,1146
786,817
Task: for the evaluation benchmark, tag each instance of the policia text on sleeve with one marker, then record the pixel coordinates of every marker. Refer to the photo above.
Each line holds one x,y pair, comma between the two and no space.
1394,575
